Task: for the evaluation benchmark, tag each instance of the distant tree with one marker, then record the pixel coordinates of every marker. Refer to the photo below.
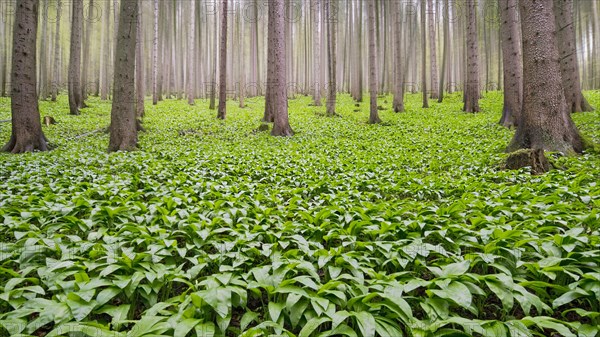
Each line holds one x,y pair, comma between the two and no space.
56,61
567,48
433,50
123,125
398,103
105,60
27,135
277,83
513,62
43,66
331,19
191,38
545,121
471,94
223,64
74,85
139,67
424,56
316,7
374,114
85,64
155,56
447,52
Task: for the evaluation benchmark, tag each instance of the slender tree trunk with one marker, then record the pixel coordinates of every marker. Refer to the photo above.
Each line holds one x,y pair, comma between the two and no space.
223,64
545,123
331,56
44,47
316,6
277,83
424,56
56,66
86,53
446,52
471,94
27,135
433,51
139,67
105,62
567,46
3,52
190,49
123,126
271,75
155,56
513,62
75,101
213,84
399,74
241,59
374,114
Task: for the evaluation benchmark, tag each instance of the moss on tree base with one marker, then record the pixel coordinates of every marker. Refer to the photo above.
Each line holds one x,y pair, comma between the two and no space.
533,158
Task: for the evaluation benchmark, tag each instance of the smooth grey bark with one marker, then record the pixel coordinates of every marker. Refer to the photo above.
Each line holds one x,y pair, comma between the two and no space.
513,62
471,93
398,103
277,83
331,56
445,57
85,63
545,121
139,67
432,51
155,56
191,60
56,61
106,55
74,85
222,111
424,56
373,113
44,47
123,126
316,6
27,135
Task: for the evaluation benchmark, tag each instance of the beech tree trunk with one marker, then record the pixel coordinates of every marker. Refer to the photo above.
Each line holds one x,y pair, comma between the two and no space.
445,57
43,67
398,103
331,56
56,62
269,114
27,135
373,114
567,47
155,56
432,51
106,55
424,56
545,121
513,62
316,6
471,94
223,64
277,84
190,66
86,52
123,126
74,85
139,68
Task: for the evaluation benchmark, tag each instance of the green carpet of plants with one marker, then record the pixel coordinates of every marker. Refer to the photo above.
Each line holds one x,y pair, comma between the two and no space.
408,228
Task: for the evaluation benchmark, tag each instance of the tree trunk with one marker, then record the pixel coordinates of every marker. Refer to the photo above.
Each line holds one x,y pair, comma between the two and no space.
471,94
86,52
433,51
374,114
123,126
3,54
105,62
567,47
331,56
155,56
277,84
213,84
424,56
56,62
27,135
241,58
191,42
513,63
399,76
223,63
75,101
359,53
446,52
545,122
139,67
316,6
43,67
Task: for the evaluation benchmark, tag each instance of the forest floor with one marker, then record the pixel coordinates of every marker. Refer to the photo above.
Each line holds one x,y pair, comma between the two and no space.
409,227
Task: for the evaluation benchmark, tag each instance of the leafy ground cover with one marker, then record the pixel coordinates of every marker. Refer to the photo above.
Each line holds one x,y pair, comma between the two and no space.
409,228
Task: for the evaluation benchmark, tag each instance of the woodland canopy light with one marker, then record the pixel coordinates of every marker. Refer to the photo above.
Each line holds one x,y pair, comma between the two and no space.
299,168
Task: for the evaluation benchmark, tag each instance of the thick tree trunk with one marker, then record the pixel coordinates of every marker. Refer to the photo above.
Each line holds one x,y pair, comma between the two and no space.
269,114
139,68
74,85
567,47
190,66
56,62
433,51
374,114
123,128
223,64
545,122
3,54
155,56
277,84
398,103
316,6
471,94
331,56
513,62
27,135
424,56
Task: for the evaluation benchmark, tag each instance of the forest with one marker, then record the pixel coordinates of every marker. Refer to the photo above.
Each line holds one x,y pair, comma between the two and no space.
300,168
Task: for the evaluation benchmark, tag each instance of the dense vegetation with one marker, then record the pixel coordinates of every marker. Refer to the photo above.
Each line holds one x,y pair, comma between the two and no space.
406,228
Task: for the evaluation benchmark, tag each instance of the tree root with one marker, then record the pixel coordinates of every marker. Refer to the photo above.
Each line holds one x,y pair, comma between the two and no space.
533,158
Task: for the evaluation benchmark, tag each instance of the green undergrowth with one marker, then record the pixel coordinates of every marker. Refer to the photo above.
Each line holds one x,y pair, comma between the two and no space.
409,228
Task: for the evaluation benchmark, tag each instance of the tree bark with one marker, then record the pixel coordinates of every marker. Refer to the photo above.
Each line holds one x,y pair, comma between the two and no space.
27,135
545,122
471,94
373,113
56,62
316,6
398,103
190,77
424,56
513,62
331,56
86,53
155,56
433,51
567,47
123,128
105,62
74,85
43,77
139,67
277,84
223,64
